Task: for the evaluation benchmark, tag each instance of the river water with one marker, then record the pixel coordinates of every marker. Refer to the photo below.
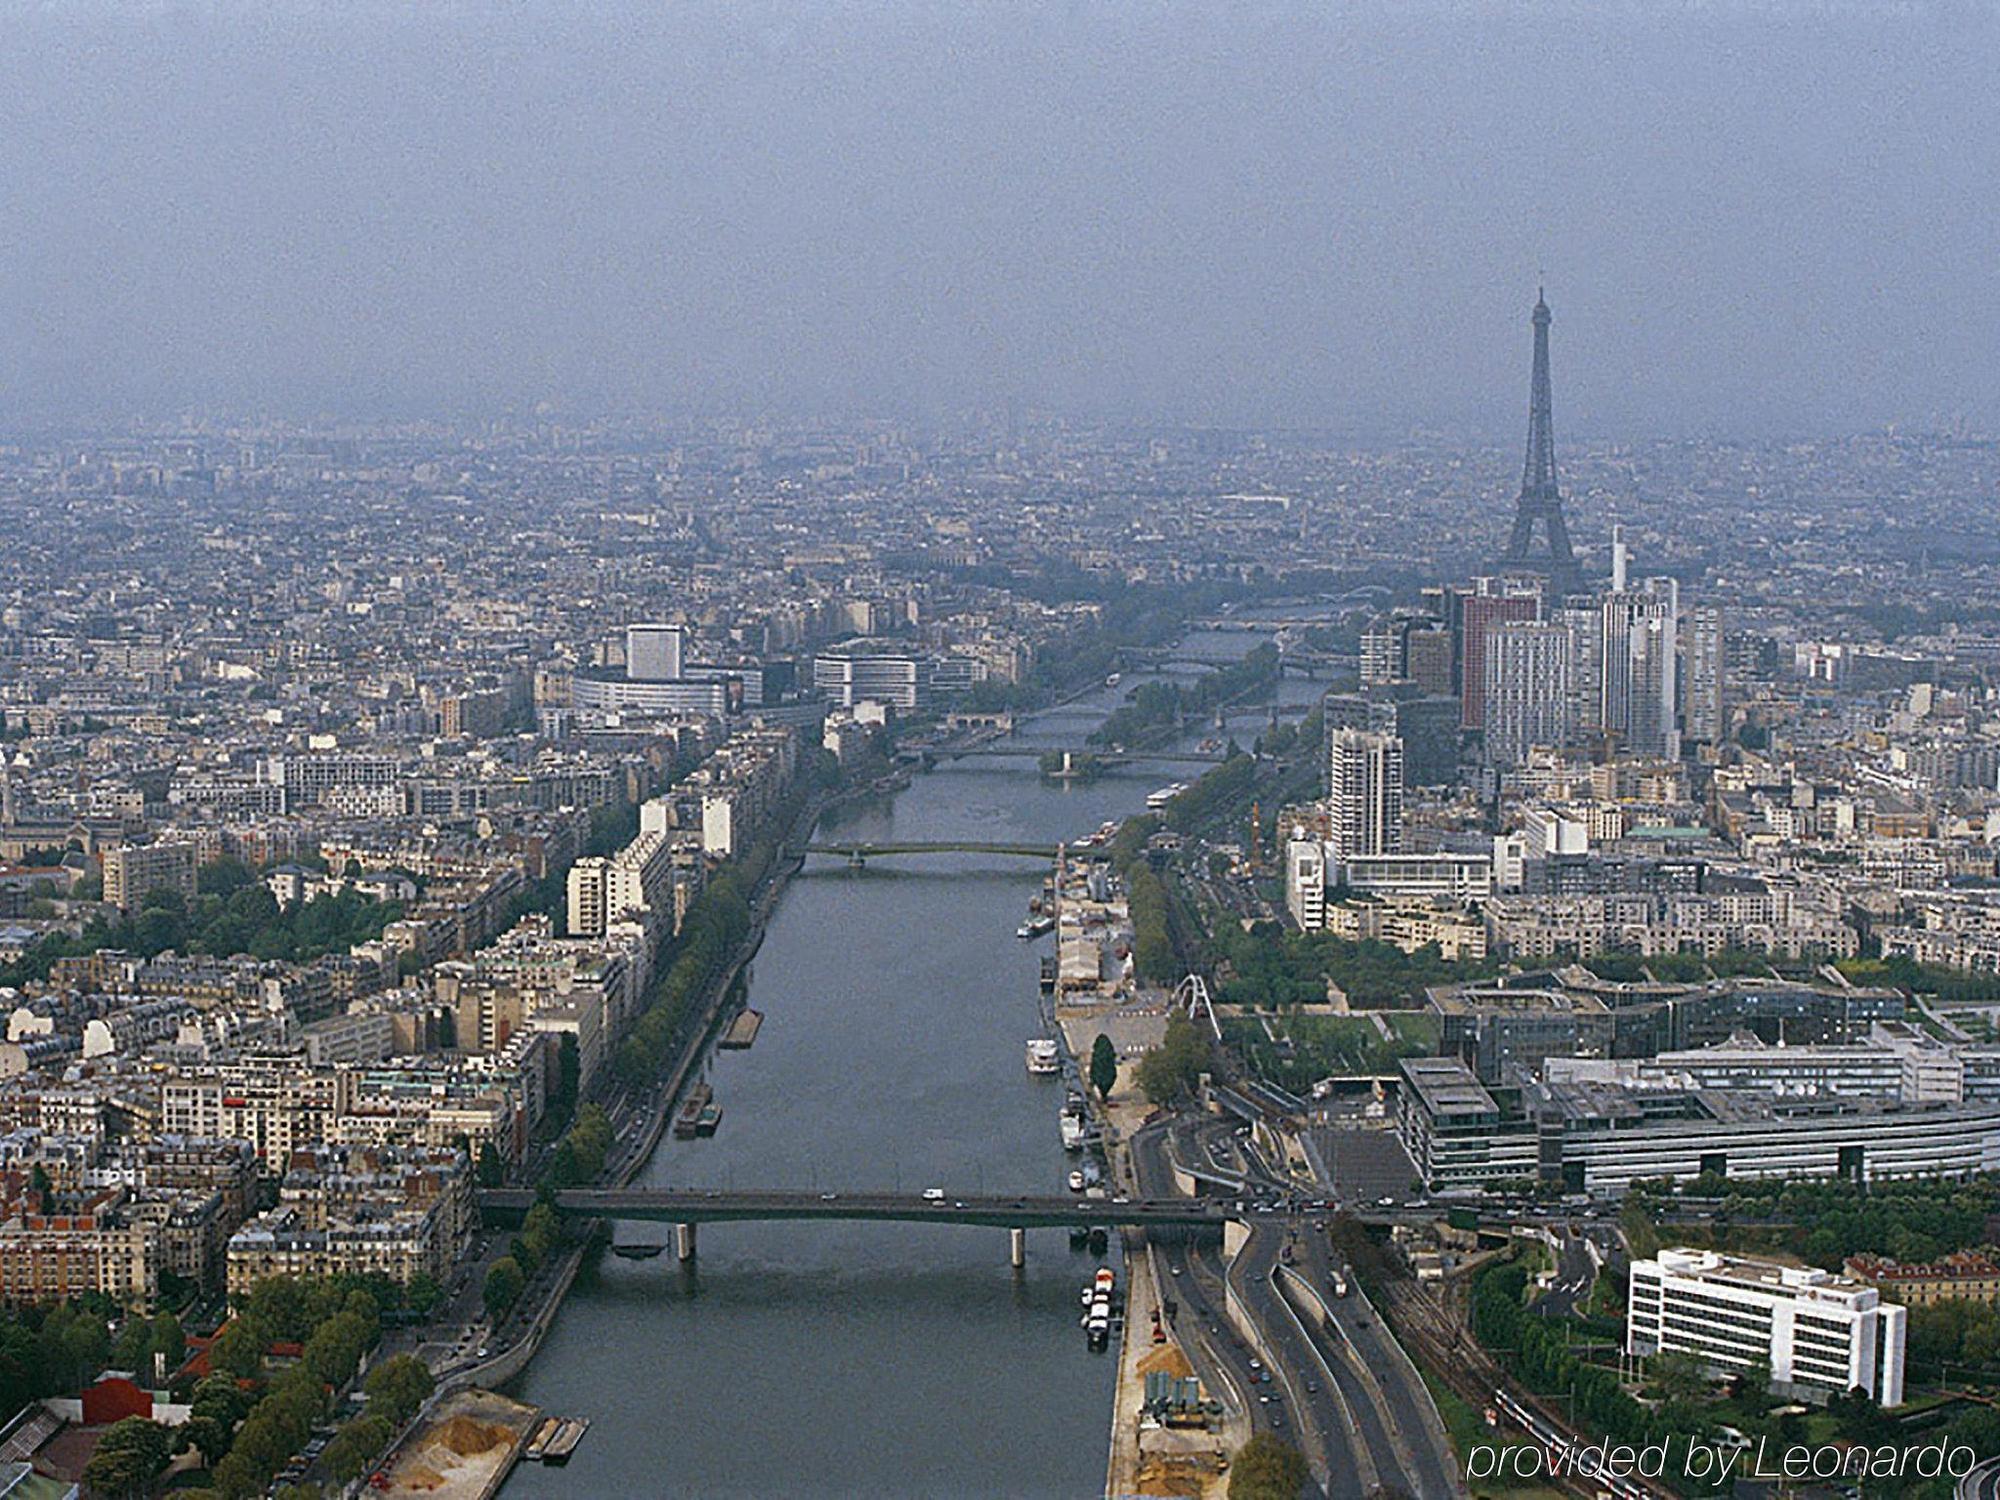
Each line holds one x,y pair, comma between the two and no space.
870,1359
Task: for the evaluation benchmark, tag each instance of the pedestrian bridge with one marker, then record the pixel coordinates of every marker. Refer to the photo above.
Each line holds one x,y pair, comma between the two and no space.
856,854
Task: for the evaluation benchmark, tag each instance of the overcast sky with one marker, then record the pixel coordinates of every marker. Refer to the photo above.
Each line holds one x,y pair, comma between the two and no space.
1757,219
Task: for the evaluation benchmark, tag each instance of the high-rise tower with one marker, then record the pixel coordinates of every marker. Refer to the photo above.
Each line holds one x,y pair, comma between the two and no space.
1540,500
1365,793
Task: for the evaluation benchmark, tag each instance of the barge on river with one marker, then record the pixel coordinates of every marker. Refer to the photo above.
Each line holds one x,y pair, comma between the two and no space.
556,1439
687,1122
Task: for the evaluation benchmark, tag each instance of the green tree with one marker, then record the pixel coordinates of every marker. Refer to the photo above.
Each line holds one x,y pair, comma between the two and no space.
356,1444
134,1349
1266,1469
492,1170
223,876
237,1476
397,1387
1174,1068
422,1294
220,1398
128,1458
1753,1384
238,1350
207,1435
1103,1066
504,1283
1152,933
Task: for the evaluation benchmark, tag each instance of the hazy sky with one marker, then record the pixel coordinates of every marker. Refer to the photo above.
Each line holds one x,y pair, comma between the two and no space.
1752,219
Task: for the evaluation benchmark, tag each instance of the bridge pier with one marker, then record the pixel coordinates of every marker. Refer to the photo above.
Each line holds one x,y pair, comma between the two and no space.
684,1241
1017,1248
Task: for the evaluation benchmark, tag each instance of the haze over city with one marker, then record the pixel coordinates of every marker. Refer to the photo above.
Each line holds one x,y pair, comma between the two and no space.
1752,219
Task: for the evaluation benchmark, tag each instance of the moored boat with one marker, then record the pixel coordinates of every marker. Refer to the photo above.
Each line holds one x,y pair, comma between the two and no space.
688,1119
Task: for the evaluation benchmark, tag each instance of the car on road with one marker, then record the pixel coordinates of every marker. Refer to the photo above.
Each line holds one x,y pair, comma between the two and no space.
829,1197
934,1195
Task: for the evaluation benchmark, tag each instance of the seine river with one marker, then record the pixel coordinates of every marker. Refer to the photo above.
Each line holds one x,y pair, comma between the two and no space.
867,1359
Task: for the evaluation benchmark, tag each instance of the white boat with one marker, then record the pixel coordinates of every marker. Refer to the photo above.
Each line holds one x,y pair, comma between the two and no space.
1076,1181
1114,679
1042,1055
1159,799
1075,1122
1035,927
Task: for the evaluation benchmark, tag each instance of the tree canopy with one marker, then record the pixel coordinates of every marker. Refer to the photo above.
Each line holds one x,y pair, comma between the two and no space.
1174,1068
1103,1066
1267,1469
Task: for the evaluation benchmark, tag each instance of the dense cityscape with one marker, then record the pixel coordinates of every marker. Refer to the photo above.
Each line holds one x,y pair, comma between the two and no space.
867,750
1598,937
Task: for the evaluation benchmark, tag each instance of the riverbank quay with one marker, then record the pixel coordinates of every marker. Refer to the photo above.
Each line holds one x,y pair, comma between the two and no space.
464,1450
508,1357
1154,1459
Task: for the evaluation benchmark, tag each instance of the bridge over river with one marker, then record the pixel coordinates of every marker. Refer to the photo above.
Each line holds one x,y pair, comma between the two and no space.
685,1208
856,854
1102,757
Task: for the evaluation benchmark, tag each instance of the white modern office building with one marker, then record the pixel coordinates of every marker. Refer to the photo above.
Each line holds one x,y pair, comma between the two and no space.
1819,1333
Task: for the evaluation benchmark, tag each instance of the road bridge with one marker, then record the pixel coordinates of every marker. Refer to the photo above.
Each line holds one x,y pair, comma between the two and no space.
1102,757
686,1207
860,854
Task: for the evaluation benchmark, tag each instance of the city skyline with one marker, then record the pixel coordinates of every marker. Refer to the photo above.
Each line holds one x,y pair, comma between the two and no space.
775,749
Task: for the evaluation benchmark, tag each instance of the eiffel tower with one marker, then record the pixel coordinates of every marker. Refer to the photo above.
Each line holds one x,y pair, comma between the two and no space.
1540,500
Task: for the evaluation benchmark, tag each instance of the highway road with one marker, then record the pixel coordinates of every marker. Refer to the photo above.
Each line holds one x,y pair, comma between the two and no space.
1983,1483
1281,1382
1381,1401
1359,1343
1575,1275
1341,1432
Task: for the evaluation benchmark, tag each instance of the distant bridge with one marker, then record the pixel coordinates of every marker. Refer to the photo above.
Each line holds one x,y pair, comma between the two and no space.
684,1208
1231,624
1102,757
856,854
